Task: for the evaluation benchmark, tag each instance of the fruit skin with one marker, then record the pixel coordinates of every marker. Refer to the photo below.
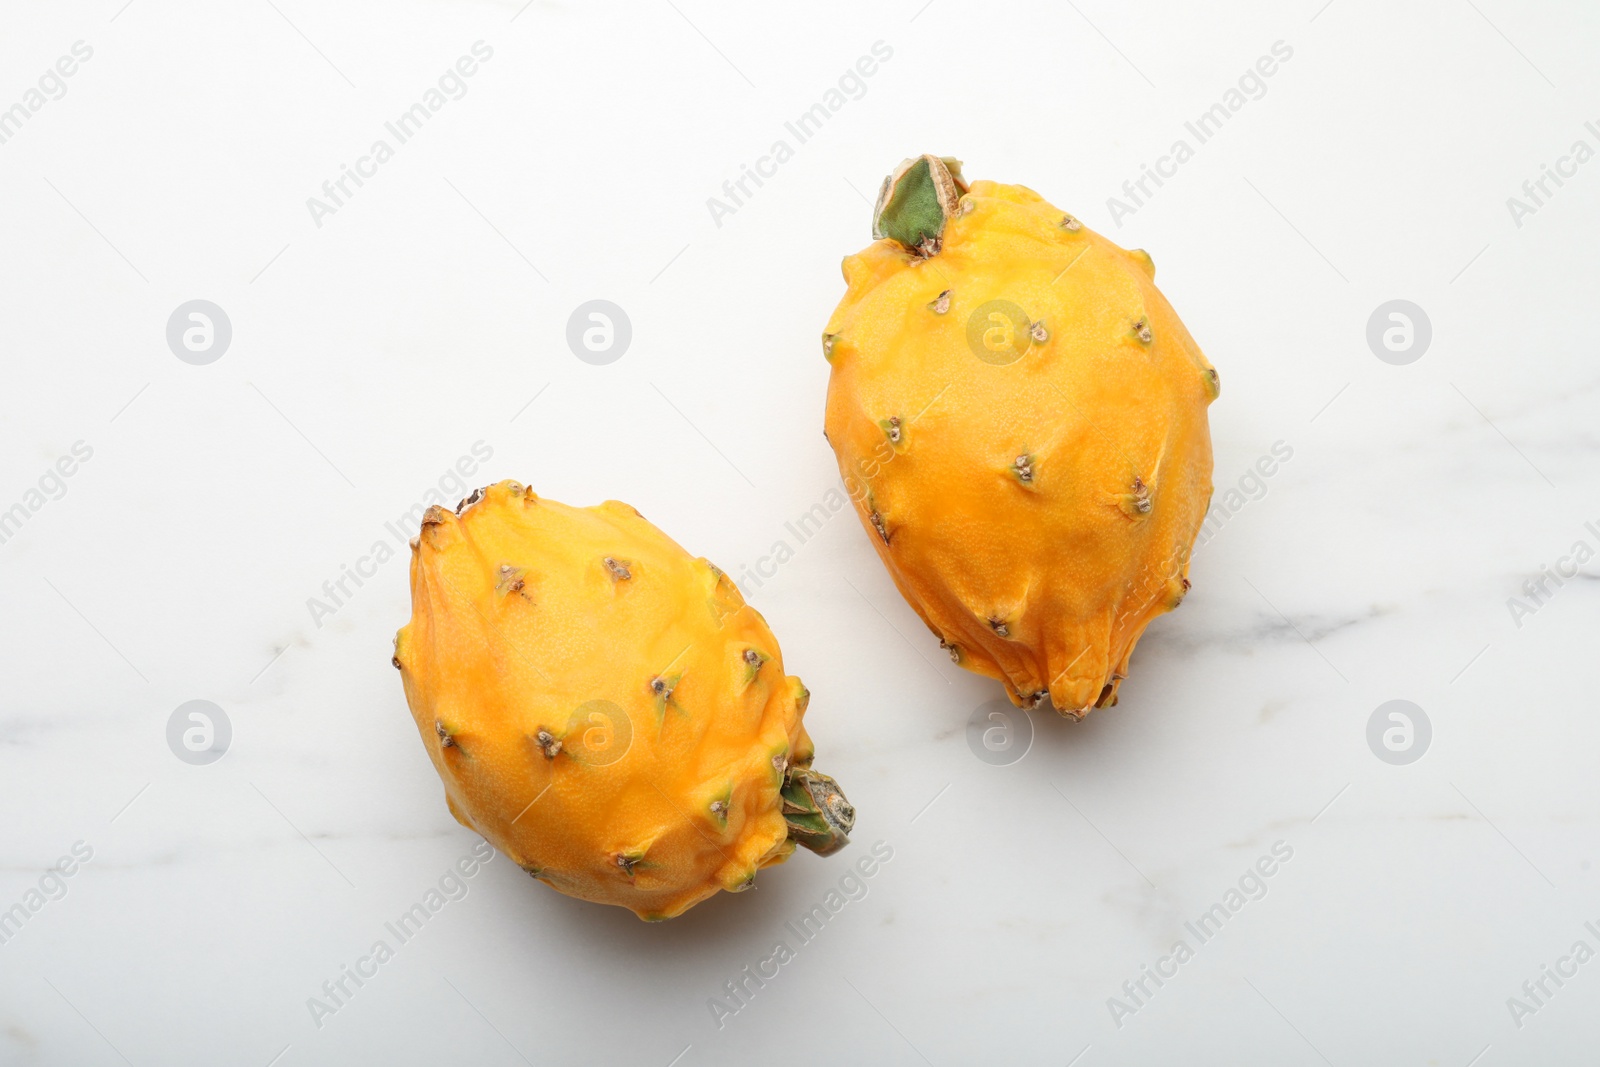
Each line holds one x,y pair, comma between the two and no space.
1042,499
604,708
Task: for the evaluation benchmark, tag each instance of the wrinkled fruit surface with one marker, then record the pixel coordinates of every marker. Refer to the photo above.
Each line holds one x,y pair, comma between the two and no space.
605,708
1021,419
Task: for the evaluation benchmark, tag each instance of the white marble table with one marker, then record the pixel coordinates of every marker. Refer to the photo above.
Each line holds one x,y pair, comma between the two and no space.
418,321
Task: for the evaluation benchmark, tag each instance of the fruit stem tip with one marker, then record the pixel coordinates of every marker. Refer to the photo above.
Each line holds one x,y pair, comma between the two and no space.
819,816
915,202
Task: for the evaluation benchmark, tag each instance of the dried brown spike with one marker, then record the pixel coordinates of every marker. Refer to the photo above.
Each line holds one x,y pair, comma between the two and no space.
1037,331
619,570
445,739
940,303
661,687
892,429
1141,497
1141,330
547,742
510,579
469,500
1070,224
1136,503
877,524
1022,467
999,627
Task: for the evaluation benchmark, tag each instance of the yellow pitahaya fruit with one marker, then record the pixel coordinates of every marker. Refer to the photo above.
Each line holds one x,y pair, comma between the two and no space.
1024,420
603,707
